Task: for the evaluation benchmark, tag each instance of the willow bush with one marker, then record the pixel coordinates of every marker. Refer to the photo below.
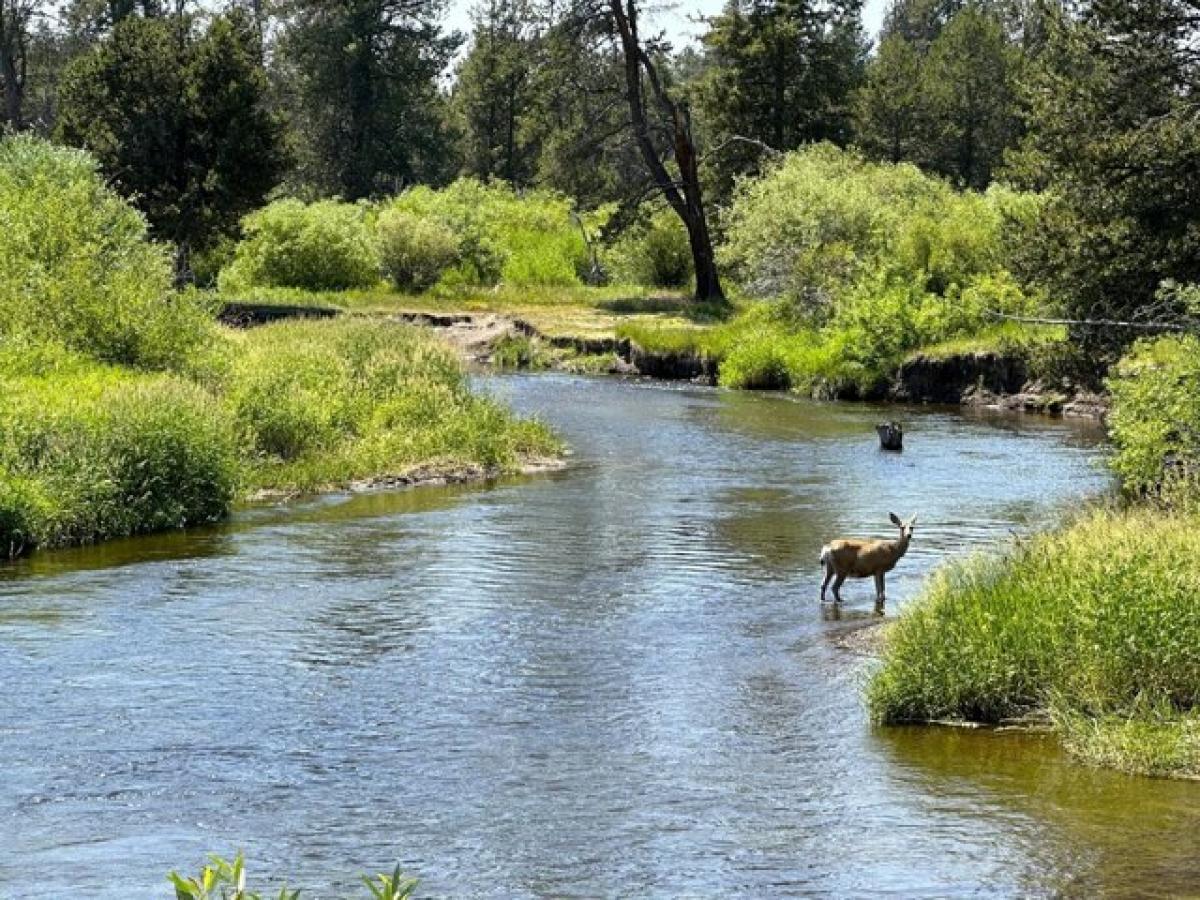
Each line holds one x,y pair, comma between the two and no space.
77,267
527,239
1155,418
324,246
862,263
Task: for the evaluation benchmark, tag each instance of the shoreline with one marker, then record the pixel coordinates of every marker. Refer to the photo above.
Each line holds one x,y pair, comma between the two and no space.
972,379
426,475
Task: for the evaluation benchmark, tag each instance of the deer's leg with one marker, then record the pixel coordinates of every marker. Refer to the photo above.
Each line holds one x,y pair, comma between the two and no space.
879,598
825,583
837,588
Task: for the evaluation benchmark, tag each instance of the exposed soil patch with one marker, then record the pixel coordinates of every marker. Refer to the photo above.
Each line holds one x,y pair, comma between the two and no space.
993,380
421,476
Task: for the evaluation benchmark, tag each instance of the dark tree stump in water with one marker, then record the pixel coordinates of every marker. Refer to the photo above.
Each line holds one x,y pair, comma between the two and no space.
891,436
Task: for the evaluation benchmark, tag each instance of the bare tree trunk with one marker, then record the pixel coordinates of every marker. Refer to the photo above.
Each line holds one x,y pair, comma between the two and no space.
684,195
14,24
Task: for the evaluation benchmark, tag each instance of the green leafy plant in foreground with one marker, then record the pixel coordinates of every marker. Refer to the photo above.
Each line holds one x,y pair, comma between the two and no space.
391,887
223,879
220,880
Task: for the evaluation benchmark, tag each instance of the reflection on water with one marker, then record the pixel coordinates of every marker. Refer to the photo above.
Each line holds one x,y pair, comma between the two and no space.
612,680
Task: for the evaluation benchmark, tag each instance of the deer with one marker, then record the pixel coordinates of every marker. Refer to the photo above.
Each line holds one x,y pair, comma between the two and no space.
844,558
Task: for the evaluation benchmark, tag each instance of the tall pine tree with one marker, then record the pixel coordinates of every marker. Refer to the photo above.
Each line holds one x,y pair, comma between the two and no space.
360,81
493,93
178,118
779,72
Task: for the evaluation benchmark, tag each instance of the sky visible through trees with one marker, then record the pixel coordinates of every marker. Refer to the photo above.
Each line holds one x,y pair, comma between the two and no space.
675,19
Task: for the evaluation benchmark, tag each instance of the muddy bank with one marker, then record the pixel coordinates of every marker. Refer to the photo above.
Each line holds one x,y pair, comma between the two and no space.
248,315
993,380
420,476
484,337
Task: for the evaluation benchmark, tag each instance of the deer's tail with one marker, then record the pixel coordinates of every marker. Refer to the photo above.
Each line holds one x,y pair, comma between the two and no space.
825,551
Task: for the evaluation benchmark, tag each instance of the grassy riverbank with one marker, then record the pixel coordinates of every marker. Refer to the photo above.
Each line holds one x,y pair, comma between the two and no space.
90,451
127,409
1095,627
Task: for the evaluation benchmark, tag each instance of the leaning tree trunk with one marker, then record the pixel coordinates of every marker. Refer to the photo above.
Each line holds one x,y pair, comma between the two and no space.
684,195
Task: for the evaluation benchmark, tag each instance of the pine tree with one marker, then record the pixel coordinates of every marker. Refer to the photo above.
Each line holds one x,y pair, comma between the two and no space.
179,121
779,72
948,105
493,93
1114,136
360,81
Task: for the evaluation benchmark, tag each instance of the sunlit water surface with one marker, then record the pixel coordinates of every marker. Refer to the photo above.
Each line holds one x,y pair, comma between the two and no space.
611,681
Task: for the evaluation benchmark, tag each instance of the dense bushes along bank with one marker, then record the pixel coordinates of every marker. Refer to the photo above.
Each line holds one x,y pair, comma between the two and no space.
128,410
854,266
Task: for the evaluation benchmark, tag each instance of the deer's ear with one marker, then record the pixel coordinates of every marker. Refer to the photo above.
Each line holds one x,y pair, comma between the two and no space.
912,521
895,520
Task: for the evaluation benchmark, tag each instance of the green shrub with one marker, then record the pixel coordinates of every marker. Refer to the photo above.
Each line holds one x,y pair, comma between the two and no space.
322,246
825,219
761,359
520,351
1155,418
77,268
223,879
523,240
415,251
94,453
864,262
1098,621
654,252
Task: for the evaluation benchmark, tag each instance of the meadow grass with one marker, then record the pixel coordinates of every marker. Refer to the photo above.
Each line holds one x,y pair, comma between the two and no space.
91,451
319,404
1096,624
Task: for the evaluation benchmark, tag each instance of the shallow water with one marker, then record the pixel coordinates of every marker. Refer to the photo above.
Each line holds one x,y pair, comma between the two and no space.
614,680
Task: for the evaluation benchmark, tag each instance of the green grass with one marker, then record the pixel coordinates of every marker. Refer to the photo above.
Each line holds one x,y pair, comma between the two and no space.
90,451
1005,338
321,404
1096,624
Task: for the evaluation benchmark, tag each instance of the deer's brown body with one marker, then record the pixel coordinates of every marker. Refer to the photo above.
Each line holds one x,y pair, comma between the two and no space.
853,558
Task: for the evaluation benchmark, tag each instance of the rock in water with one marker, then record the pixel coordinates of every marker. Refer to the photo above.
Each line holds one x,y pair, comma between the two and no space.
891,436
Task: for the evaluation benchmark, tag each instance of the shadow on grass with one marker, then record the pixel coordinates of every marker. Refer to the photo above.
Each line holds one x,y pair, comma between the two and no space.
668,304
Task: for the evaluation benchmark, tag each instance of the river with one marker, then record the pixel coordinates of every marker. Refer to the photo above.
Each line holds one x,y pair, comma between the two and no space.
615,680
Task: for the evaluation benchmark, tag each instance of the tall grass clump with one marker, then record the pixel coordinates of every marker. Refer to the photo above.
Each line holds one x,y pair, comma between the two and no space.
1096,625
1155,418
324,246
319,404
94,452
528,239
77,267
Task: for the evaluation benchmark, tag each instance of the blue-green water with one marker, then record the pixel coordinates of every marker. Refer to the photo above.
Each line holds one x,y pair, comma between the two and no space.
611,681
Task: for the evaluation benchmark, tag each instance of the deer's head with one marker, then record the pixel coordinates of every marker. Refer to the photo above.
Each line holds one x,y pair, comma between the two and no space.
906,528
